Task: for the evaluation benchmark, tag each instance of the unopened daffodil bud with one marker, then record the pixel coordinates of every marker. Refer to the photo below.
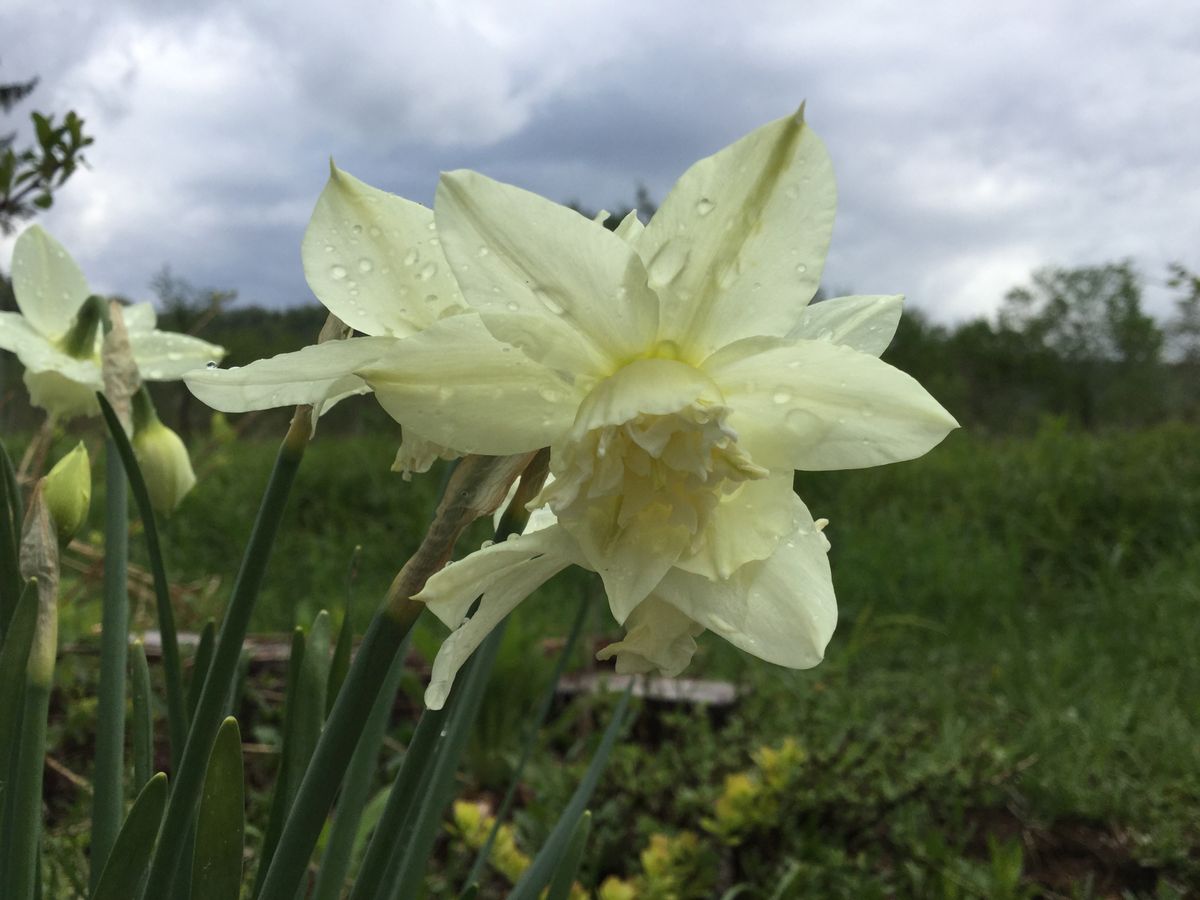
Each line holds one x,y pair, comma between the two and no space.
68,492
163,458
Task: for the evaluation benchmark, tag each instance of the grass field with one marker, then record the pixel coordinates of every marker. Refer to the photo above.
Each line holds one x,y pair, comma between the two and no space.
1008,708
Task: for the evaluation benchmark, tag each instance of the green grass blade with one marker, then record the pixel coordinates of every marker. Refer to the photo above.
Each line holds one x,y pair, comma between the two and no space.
412,839
176,709
143,717
544,865
219,683
14,655
200,663
217,864
564,876
127,863
339,849
531,740
108,778
309,700
10,539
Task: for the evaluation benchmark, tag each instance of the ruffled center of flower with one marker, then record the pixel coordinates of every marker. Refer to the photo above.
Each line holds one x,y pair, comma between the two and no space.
650,444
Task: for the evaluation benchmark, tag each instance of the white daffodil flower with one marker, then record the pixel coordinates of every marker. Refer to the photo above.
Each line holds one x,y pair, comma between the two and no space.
679,376
57,334
374,260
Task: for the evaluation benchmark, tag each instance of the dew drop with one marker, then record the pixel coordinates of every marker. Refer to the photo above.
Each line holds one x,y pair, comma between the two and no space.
512,306
337,273
483,251
431,298
329,248
427,271
801,269
781,396
357,229
365,265
704,206
549,302
211,364
668,262
411,257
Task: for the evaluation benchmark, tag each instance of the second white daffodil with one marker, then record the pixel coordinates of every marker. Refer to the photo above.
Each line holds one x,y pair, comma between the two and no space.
679,376
57,334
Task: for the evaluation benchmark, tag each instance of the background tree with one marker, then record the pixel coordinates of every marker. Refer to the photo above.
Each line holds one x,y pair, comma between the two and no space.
30,176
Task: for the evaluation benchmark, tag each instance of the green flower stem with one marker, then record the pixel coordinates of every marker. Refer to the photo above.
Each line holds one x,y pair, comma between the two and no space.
476,487
218,683
176,706
107,781
10,529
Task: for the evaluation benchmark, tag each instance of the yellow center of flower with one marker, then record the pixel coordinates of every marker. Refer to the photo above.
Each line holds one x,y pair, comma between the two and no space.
649,444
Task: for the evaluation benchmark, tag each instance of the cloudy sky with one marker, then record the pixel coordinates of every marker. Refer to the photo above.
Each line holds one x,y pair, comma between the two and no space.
972,142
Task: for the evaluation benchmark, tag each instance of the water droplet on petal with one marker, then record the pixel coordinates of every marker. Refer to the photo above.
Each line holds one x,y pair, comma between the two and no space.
365,265
801,269
337,273
549,302
357,229
704,206
668,262
431,298
427,271
211,364
512,306
781,396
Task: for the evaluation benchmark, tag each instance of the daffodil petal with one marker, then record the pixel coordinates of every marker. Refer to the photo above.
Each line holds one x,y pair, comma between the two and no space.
781,609
515,252
139,317
38,354
501,576
415,455
374,259
630,228
48,286
317,374
458,386
863,323
658,638
817,405
62,397
746,526
166,356
631,559
740,241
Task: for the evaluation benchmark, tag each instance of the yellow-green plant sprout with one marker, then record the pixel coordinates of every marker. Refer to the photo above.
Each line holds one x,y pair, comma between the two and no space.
679,376
68,492
57,334
374,260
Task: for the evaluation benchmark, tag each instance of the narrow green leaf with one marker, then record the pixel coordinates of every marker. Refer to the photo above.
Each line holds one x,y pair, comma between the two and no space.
544,865
177,711
409,840
218,685
143,717
308,701
281,798
131,851
200,663
360,775
217,865
107,780
345,642
14,656
564,875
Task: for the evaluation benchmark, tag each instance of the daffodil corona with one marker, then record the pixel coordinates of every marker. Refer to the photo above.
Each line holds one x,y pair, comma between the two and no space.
57,334
679,376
